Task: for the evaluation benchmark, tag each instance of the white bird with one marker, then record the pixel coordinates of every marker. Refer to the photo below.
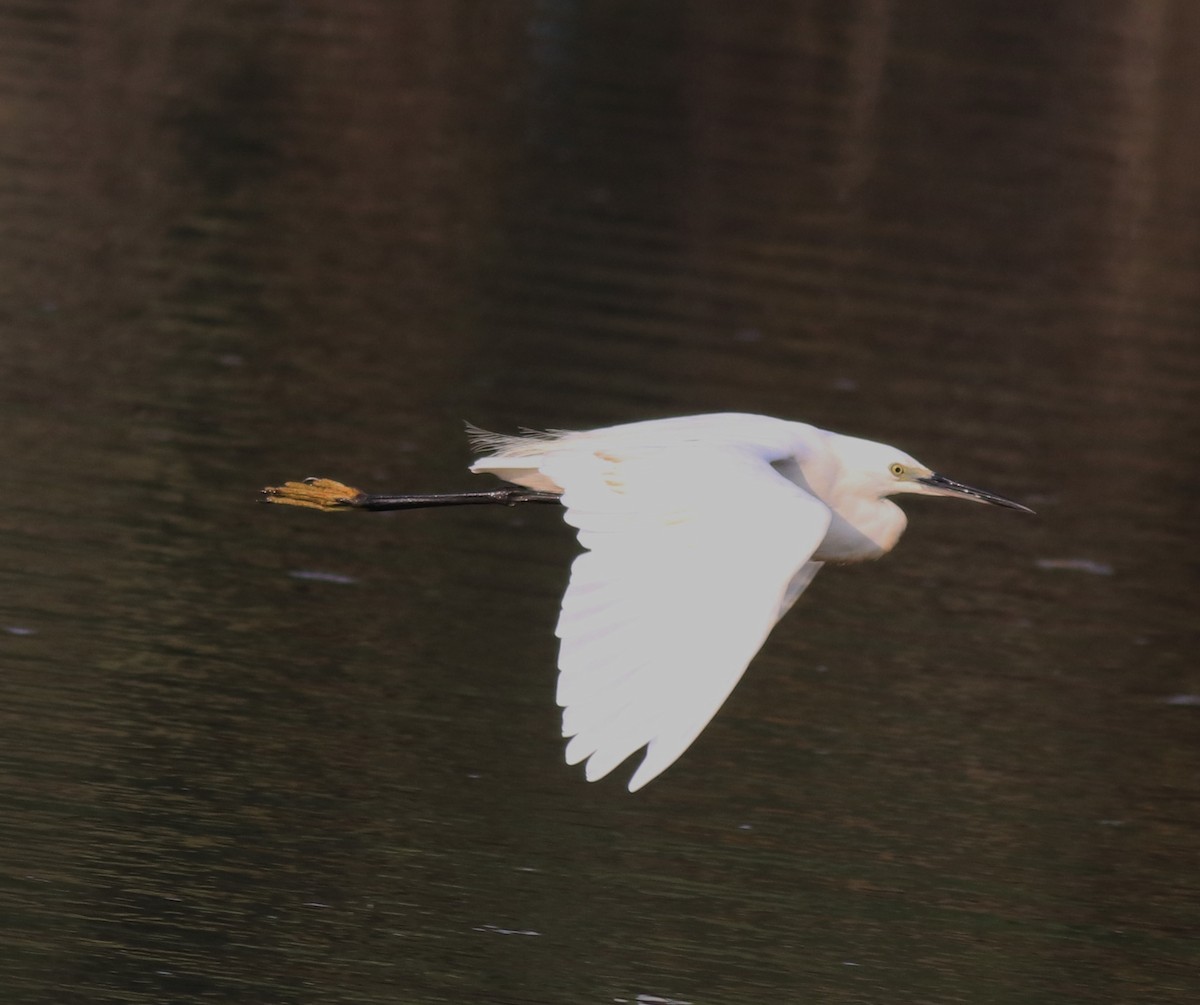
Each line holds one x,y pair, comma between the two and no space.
699,533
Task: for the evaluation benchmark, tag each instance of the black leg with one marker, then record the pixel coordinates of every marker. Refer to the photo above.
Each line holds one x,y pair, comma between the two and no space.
502,497
324,493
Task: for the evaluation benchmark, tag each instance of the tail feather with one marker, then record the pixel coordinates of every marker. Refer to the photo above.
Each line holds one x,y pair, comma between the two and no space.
515,459
523,444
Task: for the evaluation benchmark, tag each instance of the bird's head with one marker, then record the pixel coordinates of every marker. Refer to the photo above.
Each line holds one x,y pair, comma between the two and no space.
881,470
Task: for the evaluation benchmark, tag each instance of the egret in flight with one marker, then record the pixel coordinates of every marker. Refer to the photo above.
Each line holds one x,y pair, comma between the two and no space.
699,533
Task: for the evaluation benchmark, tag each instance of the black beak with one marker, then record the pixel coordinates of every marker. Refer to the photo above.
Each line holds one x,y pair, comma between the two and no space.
944,484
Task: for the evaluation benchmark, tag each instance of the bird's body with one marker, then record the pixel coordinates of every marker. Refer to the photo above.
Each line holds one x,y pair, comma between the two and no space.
699,533
815,460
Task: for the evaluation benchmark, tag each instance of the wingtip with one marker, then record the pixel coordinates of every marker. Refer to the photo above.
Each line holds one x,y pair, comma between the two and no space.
645,774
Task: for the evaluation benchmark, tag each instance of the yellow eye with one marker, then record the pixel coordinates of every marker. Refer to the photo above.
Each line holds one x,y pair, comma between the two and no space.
899,470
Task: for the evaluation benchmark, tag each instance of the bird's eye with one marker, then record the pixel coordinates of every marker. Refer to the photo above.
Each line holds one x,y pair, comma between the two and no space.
898,470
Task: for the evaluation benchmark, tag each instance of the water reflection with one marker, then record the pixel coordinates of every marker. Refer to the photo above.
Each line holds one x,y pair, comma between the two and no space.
246,242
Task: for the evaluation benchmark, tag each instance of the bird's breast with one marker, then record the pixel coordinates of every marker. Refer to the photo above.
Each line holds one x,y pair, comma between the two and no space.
862,532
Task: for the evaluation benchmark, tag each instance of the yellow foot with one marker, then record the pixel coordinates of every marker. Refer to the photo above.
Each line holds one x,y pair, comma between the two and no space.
315,493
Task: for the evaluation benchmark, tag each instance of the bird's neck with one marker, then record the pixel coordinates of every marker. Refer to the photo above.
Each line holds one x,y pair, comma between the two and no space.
861,529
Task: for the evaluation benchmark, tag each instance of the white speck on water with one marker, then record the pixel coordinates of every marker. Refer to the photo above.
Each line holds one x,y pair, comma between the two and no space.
656,1000
317,576
19,630
1182,699
493,930
1076,565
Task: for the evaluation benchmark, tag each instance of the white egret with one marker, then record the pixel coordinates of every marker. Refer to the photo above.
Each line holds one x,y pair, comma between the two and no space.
699,533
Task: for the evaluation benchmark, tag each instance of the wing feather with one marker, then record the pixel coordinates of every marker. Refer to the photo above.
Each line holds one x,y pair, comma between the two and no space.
693,553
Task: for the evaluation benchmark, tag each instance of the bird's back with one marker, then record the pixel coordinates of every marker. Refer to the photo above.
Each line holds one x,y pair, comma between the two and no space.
518,459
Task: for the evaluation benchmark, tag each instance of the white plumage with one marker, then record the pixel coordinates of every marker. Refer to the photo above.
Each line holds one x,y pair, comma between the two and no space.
700,532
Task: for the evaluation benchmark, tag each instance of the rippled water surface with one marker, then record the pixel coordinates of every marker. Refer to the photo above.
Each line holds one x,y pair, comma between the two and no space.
252,754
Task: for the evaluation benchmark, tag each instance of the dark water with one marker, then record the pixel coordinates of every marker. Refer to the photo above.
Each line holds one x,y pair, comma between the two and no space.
247,241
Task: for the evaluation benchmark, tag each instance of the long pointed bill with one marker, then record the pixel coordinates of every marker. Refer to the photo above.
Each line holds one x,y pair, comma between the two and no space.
951,488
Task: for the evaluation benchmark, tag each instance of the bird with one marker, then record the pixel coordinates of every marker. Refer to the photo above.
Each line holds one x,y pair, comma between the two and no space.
698,533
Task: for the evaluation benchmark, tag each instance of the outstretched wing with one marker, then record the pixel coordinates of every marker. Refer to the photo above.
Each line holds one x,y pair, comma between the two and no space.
693,553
